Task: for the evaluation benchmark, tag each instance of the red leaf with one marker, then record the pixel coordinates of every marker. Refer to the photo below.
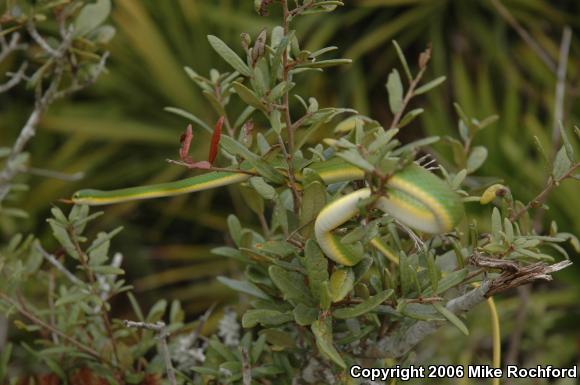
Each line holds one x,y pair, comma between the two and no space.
185,141
215,140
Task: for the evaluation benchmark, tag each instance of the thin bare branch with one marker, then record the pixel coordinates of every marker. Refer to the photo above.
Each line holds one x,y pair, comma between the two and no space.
59,266
561,85
543,195
33,32
162,335
15,79
9,47
512,21
78,86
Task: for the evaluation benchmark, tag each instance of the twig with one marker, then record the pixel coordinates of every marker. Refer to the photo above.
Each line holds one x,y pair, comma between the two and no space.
53,174
78,86
246,367
507,16
54,262
43,100
542,196
285,77
400,344
525,275
51,287
162,335
22,310
33,32
411,91
9,47
561,84
15,79
84,259
212,168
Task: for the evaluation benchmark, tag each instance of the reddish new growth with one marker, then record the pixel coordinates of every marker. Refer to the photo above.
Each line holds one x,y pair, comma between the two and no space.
215,140
185,141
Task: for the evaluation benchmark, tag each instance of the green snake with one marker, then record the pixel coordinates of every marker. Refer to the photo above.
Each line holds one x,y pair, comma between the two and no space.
414,196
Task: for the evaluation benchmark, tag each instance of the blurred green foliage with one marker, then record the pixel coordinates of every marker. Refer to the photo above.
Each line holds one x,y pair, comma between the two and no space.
119,134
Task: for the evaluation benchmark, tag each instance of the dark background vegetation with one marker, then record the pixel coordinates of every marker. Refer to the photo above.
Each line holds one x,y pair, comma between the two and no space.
118,133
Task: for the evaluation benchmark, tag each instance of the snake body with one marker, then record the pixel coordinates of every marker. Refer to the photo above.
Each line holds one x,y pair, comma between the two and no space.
414,196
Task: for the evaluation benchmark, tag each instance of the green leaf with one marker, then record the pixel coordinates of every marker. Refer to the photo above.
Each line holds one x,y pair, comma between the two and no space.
432,270
305,315
361,268
91,16
476,158
189,116
266,170
395,90
410,116
249,96
313,201
316,267
364,307
458,179
63,237
496,227
405,274
341,283
222,349
322,330
451,318
254,201
258,347
353,157
108,270
448,281
275,121
265,317
70,297
430,85
325,296
325,63
4,359
157,311
562,164
566,142
243,287
235,228
403,61
229,55
291,284
509,230
263,188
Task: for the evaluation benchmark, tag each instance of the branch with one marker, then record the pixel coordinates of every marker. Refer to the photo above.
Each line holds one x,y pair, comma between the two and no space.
423,59
43,100
561,84
542,196
78,86
9,47
162,334
22,310
33,32
15,79
401,344
398,345
289,153
54,262
507,16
